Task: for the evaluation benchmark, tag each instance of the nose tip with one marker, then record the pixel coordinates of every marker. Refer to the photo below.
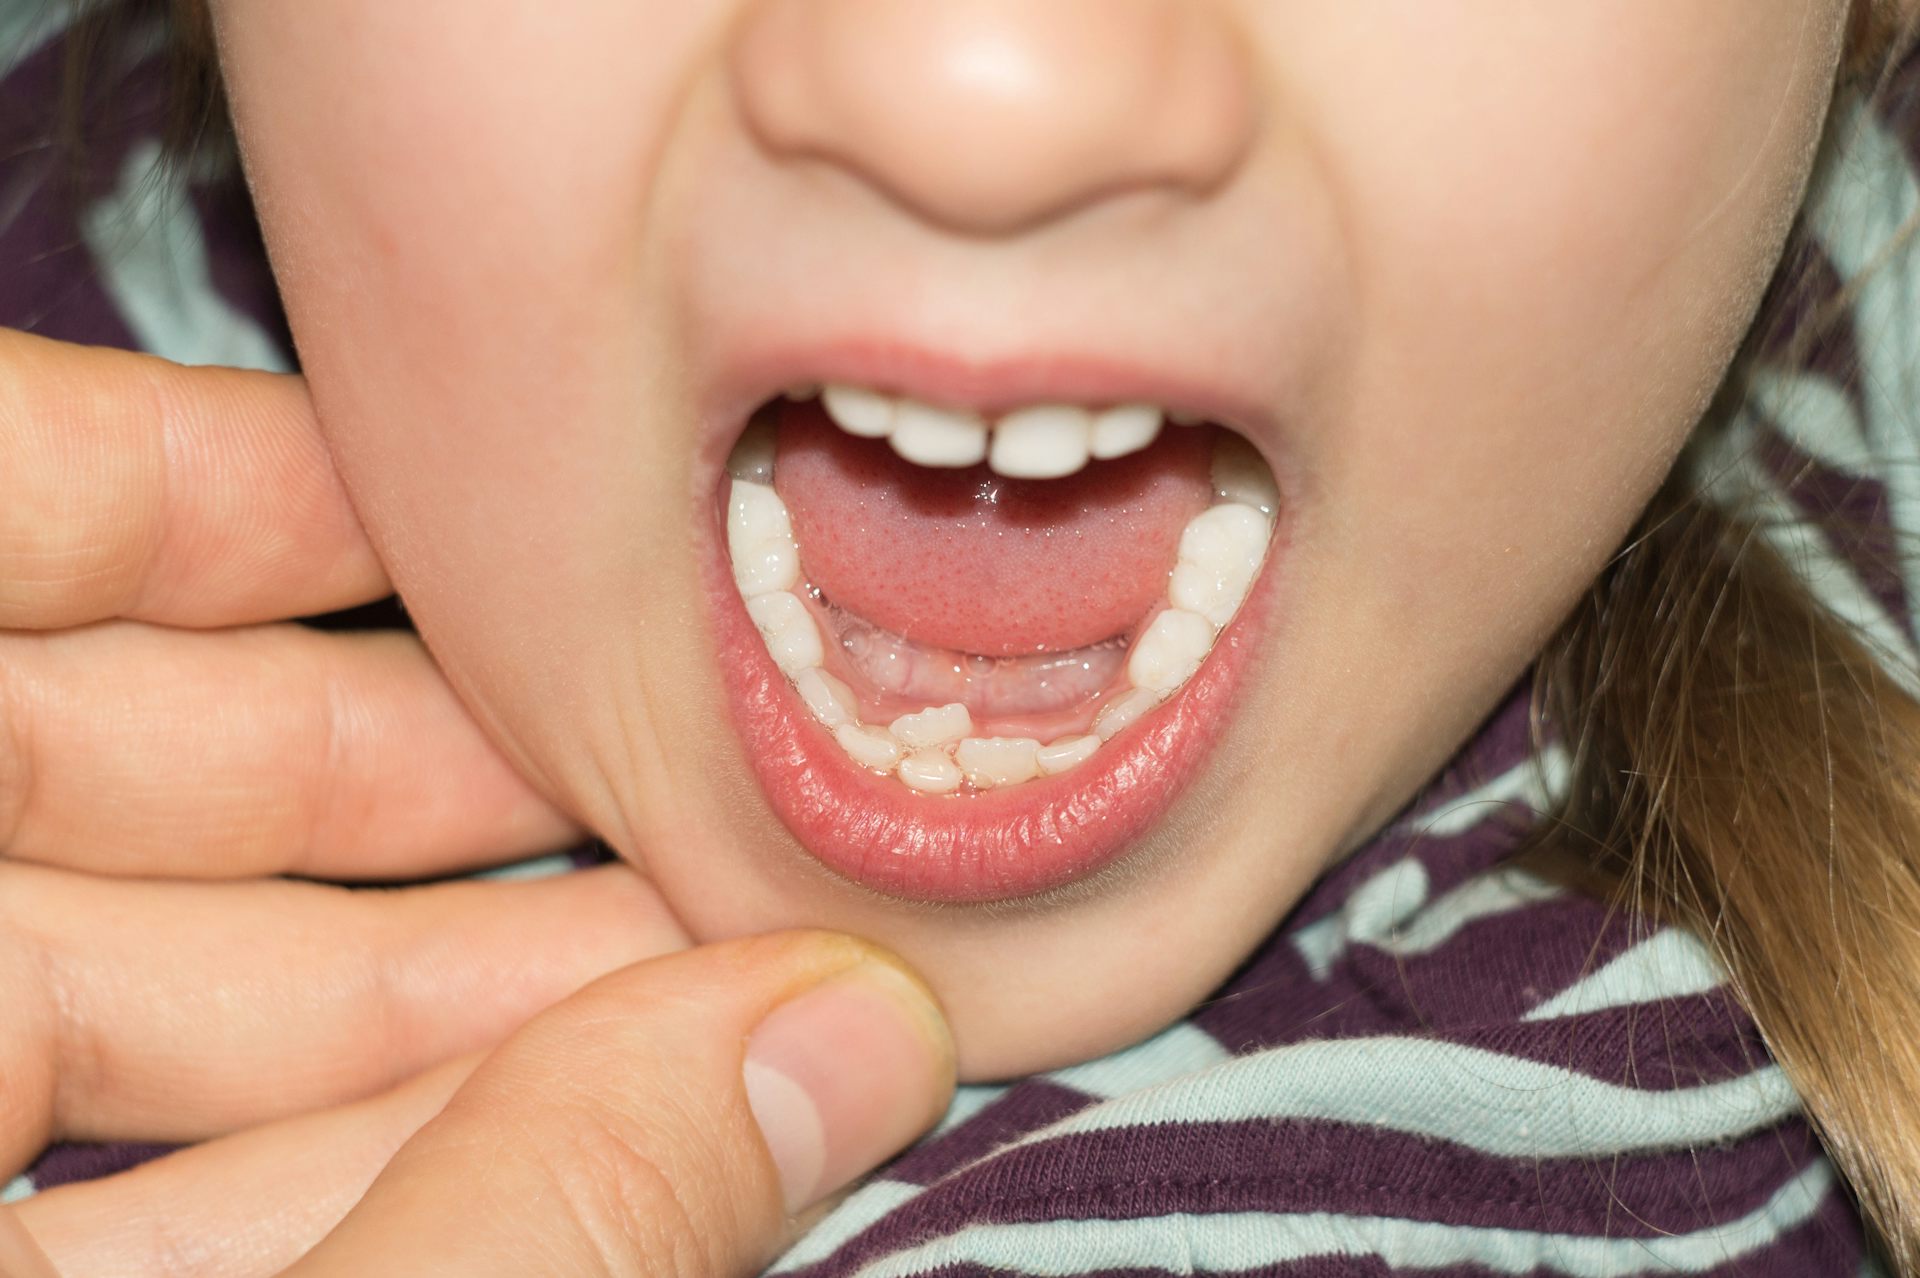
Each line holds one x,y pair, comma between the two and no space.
990,115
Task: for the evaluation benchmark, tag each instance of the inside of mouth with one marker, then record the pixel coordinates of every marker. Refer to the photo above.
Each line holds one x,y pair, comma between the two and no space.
964,629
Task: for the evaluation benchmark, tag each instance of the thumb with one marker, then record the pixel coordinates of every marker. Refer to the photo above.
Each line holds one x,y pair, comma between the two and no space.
668,1119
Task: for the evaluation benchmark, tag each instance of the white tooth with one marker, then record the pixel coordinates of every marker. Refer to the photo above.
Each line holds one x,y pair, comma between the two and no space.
1170,651
929,771
752,457
869,747
931,436
1121,712
829,700
791,636
858,411
1241,475
768,566
755,514
1228,529
934,726
1220,553
1067,752
1126,429
1042,442
802,390
991,761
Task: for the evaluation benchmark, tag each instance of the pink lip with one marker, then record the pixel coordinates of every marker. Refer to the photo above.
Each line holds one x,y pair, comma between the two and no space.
1003,844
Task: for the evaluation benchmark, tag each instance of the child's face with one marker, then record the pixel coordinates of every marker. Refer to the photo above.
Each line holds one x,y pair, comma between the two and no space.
1464,273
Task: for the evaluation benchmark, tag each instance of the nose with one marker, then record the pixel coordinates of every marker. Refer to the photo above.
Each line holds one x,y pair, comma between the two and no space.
986,116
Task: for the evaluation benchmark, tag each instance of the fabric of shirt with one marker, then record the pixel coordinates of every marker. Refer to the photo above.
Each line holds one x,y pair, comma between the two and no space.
1439,1063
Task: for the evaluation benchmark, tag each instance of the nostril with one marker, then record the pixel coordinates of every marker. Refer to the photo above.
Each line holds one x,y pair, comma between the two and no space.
990,115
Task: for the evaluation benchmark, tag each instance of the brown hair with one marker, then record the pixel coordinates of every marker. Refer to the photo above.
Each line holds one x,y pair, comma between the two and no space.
1744,765
1740,761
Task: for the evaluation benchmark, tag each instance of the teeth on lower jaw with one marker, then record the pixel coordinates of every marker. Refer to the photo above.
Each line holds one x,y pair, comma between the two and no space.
934,750
1044,441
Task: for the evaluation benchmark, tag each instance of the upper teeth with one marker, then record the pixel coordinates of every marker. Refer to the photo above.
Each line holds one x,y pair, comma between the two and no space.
1042,441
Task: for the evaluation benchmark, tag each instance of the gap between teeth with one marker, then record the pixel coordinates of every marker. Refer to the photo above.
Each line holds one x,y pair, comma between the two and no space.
935,750
1042,441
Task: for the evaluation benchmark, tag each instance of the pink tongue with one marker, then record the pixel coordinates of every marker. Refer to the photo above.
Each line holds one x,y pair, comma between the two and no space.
968,560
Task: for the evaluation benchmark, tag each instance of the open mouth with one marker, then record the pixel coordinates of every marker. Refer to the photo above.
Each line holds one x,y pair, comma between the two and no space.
976,656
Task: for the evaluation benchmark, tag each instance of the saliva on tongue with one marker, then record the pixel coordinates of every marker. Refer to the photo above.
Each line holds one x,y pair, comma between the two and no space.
1015,597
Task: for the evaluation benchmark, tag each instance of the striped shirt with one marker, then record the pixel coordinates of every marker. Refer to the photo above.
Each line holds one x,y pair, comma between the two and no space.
1439,1063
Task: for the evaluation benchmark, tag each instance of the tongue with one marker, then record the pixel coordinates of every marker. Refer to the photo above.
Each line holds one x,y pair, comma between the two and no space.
972,561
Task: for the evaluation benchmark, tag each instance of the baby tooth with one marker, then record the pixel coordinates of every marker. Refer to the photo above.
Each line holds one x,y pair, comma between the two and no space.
1220,553
752,457
1170,651
829,700
770,565
1241,475
869,747
755,514
991,761
858,411
929,771
1044,442
791,636
1126,429
938,437
934,726
1067,752
1120,714
1223,534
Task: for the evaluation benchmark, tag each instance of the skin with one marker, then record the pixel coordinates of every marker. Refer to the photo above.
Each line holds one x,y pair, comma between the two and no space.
1482,265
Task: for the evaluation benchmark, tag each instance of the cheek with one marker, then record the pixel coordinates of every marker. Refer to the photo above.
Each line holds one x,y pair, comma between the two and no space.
1559,219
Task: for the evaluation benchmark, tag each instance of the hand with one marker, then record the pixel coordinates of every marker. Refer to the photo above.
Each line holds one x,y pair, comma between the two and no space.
156,723
669,1119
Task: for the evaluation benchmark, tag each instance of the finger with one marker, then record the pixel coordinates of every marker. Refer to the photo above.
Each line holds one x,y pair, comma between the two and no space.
134,749
175,1011
139,488
242,1206
667,1119
245,1205
20,1257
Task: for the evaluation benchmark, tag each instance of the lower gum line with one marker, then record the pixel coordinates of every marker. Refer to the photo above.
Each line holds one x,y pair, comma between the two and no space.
935,749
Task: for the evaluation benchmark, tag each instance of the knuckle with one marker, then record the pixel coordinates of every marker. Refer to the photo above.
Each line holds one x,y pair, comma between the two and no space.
640,1201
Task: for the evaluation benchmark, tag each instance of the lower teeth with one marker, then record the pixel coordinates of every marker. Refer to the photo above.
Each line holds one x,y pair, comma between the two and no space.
933,750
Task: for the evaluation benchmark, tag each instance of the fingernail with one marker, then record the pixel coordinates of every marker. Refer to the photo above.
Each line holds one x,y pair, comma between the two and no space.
844,1076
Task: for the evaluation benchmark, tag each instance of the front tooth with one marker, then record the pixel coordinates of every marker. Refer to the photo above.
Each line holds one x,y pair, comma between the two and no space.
869,747
930,772
931,436
1126,429
1241,475
1122,712
991,761
1220,553
934,726
858,411
829,700
1043,442
1170,651
791,636
1068,752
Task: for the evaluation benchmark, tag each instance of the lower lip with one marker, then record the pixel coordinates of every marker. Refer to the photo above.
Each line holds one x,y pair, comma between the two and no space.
993,846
